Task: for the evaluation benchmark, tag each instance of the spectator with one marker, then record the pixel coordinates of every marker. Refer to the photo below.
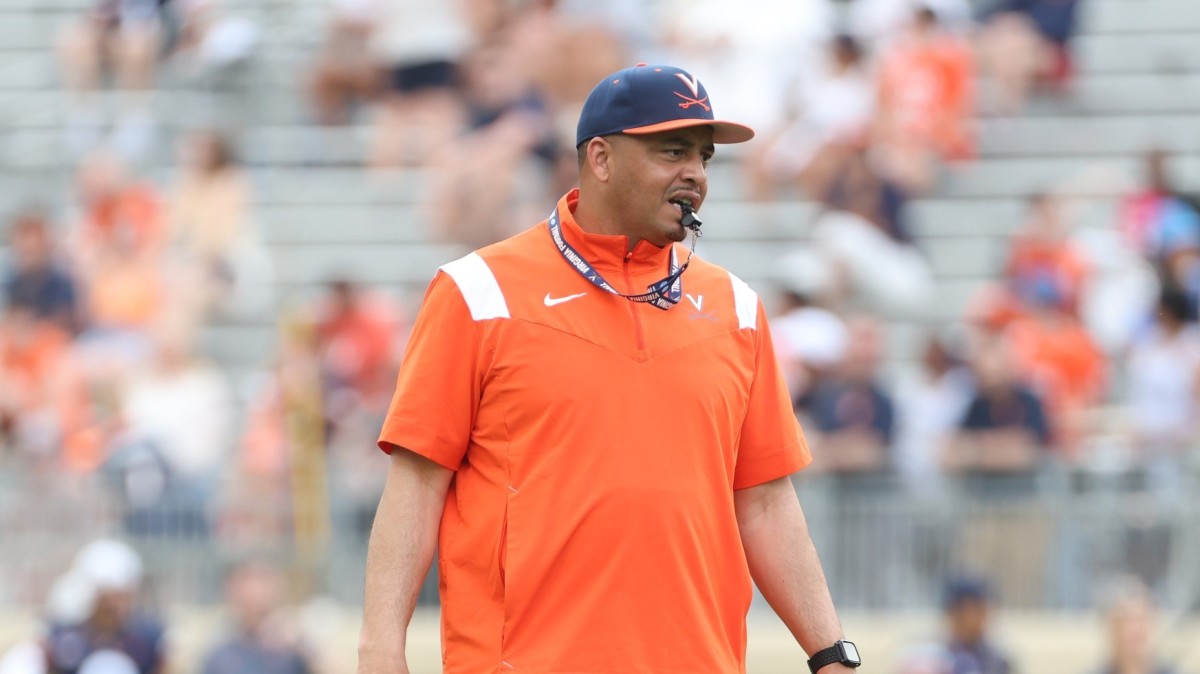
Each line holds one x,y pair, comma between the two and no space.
420,45
126,294
1025,44
118,244
210,201
853,415
835,108
541,39
110,574
1158,219
210,220
360,335
1054,352
1043,259
508,151
38,281
262,641
931,405
843,177
36,383
118,212
864,233
1163,384
1004,426
810,338
1182,273
926,102
1122,286
967,608
159,405
1130,618
345,74
541,36
357,333
126,36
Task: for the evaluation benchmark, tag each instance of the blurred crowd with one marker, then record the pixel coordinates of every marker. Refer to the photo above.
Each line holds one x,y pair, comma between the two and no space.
1082,354
100,618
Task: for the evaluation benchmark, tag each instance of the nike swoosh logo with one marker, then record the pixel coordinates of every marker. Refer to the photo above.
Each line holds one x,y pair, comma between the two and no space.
551,301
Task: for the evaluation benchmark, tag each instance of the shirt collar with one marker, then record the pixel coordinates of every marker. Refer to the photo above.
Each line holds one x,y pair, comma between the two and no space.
607,252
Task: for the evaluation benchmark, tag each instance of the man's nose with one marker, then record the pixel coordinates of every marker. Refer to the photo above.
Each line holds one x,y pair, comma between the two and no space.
695,172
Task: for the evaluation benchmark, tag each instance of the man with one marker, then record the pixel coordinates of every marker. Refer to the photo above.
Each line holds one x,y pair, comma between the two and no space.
967,605
263,641
1131,624
37,281
107,619
609,465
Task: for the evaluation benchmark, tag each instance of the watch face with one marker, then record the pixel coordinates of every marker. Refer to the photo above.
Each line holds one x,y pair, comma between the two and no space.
851,651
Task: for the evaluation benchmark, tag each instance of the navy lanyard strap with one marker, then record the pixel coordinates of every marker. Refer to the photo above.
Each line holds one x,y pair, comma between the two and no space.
663,294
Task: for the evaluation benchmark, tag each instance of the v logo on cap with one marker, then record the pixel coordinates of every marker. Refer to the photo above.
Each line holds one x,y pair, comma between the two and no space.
693,83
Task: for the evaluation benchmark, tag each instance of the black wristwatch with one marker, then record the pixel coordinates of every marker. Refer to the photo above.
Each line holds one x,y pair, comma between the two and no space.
843,651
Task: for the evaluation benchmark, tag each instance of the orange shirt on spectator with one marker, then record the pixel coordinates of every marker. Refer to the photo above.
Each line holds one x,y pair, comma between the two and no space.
30,353
1057,355
358,344
37,376
1038,260
132,217
925,94
125,292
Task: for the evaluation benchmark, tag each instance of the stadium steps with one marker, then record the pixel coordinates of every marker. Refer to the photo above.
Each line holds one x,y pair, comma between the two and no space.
1138,86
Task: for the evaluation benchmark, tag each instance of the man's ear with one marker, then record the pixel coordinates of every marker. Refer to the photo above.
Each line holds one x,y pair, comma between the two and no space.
599,158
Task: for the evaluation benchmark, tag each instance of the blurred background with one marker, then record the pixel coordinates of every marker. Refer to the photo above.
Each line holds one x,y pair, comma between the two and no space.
974,222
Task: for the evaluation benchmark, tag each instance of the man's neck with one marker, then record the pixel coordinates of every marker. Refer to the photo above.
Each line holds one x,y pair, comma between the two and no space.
593,218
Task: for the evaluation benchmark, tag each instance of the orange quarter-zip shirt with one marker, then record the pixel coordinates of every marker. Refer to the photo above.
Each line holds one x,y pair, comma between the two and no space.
596,444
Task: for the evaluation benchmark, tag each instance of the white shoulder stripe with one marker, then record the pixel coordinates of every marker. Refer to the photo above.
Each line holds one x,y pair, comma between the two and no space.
478,286
745,300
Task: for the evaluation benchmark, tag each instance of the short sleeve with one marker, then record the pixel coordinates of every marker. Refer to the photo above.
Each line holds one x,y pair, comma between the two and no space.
437,391
771,445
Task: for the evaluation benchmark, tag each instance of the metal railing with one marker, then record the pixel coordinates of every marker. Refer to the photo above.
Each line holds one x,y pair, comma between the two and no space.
1045,542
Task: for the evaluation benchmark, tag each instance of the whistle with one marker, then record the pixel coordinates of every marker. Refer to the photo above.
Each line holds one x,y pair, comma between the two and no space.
689,219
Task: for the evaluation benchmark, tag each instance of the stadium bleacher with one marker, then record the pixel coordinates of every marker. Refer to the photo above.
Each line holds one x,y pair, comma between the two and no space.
1138,86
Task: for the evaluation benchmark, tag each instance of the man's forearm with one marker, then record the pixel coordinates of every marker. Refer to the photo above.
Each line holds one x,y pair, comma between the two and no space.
403,539
784,563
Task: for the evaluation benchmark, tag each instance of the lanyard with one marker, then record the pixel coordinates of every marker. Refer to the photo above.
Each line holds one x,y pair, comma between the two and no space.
663,294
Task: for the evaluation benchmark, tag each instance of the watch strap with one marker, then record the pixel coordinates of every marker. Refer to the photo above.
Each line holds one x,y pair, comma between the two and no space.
828,656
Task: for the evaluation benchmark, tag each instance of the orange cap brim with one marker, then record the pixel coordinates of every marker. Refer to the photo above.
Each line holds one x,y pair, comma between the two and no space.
723,132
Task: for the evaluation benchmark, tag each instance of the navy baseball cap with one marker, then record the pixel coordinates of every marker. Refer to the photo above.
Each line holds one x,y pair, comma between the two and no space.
965,588
652,98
